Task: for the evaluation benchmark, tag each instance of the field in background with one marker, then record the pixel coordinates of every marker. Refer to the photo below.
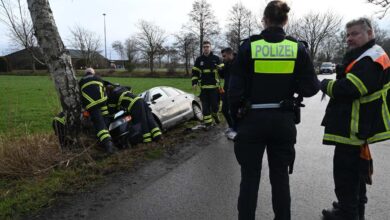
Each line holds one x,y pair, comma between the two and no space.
28,103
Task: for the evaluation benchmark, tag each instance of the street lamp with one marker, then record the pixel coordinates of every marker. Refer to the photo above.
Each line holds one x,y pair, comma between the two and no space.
105,41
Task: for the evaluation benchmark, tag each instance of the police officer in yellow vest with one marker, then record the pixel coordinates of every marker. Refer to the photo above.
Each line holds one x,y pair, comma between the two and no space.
269,69
94,100
357,114
205,74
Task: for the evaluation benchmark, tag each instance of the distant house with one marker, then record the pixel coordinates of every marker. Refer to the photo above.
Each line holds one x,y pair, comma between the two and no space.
21,60
3,65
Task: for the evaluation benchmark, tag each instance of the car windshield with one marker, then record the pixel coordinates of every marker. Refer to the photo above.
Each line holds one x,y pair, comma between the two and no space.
326,65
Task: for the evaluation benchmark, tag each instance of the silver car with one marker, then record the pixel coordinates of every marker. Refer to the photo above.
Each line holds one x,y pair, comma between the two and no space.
171,106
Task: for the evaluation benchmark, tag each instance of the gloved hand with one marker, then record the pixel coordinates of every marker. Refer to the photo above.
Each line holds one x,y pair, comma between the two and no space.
366,167
324,85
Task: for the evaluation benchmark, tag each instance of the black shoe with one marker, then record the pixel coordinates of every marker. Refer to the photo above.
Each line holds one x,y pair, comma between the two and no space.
332,214
157,138
336,214
109,147
336,205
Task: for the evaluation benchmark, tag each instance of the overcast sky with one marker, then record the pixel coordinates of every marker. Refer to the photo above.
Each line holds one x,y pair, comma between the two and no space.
123,15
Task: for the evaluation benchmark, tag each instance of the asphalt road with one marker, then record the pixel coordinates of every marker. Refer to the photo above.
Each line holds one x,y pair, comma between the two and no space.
205,186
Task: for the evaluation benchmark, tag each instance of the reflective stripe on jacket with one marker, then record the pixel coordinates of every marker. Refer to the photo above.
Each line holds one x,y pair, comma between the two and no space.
205,71
93,93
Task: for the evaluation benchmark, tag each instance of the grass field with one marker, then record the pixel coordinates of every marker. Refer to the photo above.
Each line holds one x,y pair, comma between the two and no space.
28,103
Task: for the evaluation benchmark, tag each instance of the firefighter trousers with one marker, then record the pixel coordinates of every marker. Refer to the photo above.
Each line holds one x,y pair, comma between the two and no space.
272,130
142,114
210,104
100,124
350,188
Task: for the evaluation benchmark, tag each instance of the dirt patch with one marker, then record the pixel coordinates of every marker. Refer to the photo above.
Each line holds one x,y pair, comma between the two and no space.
180,145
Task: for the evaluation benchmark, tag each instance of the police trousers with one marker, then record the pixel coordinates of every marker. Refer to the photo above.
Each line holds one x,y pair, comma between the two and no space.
226,111
350,188
210,104
272,130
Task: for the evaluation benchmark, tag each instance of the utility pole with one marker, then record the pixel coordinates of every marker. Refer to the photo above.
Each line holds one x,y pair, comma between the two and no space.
105,39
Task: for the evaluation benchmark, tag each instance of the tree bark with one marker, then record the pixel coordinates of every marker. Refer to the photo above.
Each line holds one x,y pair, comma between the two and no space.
58,60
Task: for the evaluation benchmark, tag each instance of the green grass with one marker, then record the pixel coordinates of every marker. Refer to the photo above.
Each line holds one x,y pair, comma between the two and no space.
28,103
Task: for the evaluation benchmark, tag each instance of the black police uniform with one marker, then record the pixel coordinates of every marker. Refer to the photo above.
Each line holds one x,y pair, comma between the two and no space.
205,73
268,69
93,99
121,98
225,73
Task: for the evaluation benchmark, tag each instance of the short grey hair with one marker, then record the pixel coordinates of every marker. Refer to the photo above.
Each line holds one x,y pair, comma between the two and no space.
364,22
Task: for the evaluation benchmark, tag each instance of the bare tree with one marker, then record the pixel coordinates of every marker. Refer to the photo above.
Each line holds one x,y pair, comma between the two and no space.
87,42
149,38
239,21
186,44
131,50
59,62
385,4
314,28
15,17
119,49
202,22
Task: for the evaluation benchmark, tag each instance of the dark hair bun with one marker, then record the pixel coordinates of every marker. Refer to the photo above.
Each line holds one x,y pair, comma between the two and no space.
276,12
284,7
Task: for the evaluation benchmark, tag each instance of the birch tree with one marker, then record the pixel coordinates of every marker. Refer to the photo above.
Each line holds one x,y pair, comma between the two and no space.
59,63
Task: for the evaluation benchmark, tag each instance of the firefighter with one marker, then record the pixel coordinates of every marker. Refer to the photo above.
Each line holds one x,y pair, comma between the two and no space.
121,98
268,70
205,74
93,99
357,114
228,58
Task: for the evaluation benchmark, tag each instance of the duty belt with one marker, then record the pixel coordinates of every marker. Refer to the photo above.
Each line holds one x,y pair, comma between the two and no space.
265,106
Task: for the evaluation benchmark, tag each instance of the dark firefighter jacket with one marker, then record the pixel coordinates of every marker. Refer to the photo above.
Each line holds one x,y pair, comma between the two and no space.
121,98
93,93
270,68
205,71
358,110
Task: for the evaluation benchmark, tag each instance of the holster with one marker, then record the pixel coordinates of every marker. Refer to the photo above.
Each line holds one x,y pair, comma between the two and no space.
293,105
243,109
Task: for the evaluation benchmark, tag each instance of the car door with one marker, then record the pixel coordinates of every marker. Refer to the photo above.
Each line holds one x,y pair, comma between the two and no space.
179,99
161,103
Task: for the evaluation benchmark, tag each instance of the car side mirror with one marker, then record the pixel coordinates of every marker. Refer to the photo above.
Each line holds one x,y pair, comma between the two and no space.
156,96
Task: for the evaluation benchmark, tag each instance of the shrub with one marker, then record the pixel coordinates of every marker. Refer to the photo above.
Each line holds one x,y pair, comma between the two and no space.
130,67
3,65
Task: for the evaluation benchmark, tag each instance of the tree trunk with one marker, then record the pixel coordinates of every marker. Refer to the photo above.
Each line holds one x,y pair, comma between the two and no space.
59,63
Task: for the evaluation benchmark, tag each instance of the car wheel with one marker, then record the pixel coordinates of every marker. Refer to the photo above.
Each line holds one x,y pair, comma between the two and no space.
198,115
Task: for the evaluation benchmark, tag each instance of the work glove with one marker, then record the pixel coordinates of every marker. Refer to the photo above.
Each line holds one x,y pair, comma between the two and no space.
366,164
324,85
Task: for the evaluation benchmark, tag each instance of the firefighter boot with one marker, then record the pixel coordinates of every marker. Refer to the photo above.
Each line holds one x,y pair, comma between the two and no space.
216,118
109,147
337,214
361,209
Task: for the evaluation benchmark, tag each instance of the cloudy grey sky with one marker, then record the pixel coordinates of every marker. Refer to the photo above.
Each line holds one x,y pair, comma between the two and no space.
123,15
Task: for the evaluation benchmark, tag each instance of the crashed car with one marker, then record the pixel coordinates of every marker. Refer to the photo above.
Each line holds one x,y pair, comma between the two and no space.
171,106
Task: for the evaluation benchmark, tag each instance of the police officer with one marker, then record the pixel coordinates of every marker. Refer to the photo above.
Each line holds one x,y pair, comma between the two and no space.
357,114
268,70
93,100
121,98
205,74
228,58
